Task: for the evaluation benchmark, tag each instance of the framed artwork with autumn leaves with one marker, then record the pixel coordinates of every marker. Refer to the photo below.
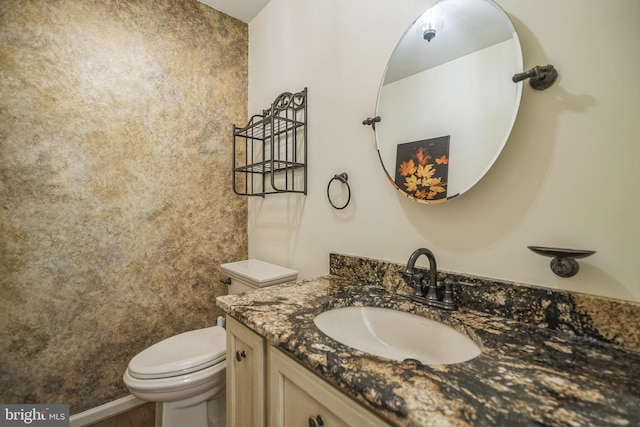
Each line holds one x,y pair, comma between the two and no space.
422,168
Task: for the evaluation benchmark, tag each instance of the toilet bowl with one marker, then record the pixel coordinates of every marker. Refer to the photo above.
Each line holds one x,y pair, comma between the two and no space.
185,374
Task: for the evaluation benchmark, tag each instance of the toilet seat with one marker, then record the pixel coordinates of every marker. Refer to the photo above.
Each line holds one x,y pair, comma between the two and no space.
177,388
180,354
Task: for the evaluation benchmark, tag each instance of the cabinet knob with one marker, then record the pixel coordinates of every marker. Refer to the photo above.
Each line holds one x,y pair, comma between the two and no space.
240,355
315,421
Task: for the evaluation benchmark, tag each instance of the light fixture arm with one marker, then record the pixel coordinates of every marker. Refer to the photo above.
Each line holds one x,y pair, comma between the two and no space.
540,77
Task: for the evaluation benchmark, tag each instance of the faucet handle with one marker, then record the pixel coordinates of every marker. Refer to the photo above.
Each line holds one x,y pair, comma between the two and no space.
448,292
415,281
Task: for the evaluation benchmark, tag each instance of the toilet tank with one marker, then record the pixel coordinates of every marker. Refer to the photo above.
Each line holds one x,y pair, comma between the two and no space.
252,274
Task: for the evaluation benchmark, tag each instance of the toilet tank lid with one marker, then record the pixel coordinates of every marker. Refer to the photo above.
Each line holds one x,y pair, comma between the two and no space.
181,354
258,272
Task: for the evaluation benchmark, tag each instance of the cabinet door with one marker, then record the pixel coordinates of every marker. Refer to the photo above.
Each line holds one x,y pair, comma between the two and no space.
245,376
300,398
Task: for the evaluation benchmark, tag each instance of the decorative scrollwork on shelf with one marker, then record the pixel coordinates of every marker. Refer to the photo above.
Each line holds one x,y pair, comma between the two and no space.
289,100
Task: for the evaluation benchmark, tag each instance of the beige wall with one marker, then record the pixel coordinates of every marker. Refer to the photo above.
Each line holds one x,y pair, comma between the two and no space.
116,205
567,176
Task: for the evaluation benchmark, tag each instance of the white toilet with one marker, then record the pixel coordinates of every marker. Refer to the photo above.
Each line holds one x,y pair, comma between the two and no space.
185,374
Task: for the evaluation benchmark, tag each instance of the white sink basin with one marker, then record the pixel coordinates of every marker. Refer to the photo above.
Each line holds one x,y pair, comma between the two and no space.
397,335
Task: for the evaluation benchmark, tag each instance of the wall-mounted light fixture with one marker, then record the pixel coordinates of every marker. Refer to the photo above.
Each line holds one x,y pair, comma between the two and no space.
429,23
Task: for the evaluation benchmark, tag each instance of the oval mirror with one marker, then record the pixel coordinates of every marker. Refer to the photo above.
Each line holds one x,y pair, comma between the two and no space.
447,102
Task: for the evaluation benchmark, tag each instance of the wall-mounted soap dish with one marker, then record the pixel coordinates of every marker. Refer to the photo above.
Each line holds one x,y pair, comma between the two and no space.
563,262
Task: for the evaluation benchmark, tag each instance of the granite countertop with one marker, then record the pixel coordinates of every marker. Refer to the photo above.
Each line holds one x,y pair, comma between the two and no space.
525,376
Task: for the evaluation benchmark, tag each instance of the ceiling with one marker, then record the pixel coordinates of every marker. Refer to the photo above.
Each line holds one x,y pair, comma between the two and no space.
469,26
244,10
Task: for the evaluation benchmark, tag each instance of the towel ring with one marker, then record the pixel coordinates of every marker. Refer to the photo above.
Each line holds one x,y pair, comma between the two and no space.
343,178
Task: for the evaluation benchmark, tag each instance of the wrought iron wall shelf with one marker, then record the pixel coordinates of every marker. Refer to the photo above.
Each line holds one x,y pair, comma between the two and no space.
270,153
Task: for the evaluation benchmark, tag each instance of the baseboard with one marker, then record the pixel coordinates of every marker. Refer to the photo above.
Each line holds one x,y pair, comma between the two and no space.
105,411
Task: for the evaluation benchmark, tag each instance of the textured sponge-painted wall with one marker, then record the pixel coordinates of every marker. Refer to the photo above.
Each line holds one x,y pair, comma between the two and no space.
115,201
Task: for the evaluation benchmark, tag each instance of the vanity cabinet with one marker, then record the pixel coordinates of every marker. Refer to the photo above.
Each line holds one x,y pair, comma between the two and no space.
300,398
296,396
245,376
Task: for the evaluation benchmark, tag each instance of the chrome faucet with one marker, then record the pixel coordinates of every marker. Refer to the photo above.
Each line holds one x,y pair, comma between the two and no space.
428,294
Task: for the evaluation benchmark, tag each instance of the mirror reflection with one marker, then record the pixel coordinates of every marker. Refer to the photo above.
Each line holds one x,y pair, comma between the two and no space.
447,102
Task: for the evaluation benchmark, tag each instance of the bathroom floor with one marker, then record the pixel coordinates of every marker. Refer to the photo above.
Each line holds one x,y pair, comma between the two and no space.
142,416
